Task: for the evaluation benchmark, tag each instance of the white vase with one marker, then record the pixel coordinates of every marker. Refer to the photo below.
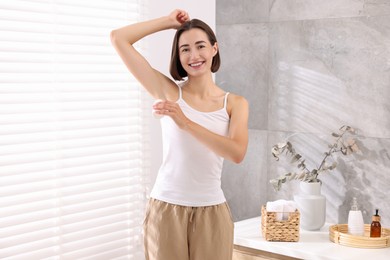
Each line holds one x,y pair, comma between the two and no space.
312,205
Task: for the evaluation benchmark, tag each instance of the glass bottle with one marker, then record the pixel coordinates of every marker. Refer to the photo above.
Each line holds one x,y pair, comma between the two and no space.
376,228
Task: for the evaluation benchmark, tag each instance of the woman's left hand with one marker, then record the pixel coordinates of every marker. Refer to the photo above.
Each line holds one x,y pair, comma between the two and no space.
171,109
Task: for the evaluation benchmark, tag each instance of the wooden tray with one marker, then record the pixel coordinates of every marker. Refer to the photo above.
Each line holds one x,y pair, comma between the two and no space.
339,235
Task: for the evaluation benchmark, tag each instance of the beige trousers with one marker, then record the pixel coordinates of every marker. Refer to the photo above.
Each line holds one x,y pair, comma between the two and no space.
173,232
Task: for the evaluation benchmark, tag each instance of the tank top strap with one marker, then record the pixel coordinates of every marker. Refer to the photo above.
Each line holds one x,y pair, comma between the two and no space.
225,100
180,92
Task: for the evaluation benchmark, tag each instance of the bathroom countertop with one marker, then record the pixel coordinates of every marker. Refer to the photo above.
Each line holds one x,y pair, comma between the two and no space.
311,245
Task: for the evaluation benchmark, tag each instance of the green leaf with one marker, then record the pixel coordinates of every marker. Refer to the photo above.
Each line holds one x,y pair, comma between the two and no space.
302,165
296,158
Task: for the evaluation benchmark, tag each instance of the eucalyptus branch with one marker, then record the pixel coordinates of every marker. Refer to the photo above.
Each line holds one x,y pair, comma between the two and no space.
305,174
332,148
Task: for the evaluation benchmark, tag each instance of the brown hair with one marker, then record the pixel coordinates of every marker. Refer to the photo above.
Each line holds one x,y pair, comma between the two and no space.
176,69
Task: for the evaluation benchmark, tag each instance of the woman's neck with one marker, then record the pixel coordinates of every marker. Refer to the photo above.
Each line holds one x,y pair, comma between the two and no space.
202,86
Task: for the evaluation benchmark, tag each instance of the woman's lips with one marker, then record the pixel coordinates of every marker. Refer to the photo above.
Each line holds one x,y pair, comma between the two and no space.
197,64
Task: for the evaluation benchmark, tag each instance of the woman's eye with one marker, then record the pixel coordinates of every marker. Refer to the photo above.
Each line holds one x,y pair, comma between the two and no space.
184,50
201,46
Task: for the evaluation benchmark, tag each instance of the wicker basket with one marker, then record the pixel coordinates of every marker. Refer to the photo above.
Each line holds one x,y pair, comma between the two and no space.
274,230
339,235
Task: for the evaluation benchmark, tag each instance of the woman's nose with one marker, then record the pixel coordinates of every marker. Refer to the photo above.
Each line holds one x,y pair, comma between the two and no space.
194,54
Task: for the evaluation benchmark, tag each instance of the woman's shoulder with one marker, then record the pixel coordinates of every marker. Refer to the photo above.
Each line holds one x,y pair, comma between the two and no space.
236,99
236,102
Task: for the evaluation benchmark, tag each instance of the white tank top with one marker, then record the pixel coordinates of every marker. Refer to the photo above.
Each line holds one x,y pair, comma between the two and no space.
190,174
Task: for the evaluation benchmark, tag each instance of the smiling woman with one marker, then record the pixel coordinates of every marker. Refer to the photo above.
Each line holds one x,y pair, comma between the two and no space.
71,173
202,126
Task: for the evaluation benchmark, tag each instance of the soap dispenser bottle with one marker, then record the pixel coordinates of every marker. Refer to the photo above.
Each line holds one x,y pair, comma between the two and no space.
376,228
355,220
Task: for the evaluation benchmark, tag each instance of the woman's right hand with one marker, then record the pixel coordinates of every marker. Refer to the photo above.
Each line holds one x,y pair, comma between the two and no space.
178,17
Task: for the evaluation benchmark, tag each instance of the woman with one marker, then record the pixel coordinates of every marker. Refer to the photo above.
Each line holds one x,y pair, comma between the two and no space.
187,215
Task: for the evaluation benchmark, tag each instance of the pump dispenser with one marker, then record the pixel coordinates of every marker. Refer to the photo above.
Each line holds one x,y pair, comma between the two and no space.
376,228
355,220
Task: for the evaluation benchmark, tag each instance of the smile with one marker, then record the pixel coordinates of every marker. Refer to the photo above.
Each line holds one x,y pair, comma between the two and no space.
196,64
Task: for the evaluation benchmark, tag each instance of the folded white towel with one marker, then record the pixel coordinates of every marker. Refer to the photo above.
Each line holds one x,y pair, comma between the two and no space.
282,208
276,206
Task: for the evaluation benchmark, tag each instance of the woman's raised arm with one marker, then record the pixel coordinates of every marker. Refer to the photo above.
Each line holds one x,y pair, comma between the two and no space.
123,39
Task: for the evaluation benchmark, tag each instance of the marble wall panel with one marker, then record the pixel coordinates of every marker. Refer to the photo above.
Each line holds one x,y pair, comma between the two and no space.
325,73
288,10
244,69
376,7
319,73
239,12
245,184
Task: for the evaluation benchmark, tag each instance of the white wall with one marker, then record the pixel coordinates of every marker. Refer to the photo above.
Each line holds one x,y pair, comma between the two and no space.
159,47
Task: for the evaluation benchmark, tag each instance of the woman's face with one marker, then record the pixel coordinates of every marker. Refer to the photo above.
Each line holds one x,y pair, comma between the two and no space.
196,52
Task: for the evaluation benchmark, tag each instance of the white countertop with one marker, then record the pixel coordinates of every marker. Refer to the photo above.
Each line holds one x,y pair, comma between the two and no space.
311,245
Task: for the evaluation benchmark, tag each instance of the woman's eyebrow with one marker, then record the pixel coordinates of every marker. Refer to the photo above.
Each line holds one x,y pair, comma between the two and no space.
186,45
199,42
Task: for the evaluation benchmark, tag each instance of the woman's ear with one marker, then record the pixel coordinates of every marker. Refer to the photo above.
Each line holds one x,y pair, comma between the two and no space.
215,49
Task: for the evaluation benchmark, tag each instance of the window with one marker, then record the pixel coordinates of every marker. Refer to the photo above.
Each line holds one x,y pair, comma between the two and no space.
72,176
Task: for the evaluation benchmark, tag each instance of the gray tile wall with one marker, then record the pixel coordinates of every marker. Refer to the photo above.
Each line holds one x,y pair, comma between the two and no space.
307,68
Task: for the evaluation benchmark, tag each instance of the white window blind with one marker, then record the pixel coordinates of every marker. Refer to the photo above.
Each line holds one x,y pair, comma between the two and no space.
71,144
